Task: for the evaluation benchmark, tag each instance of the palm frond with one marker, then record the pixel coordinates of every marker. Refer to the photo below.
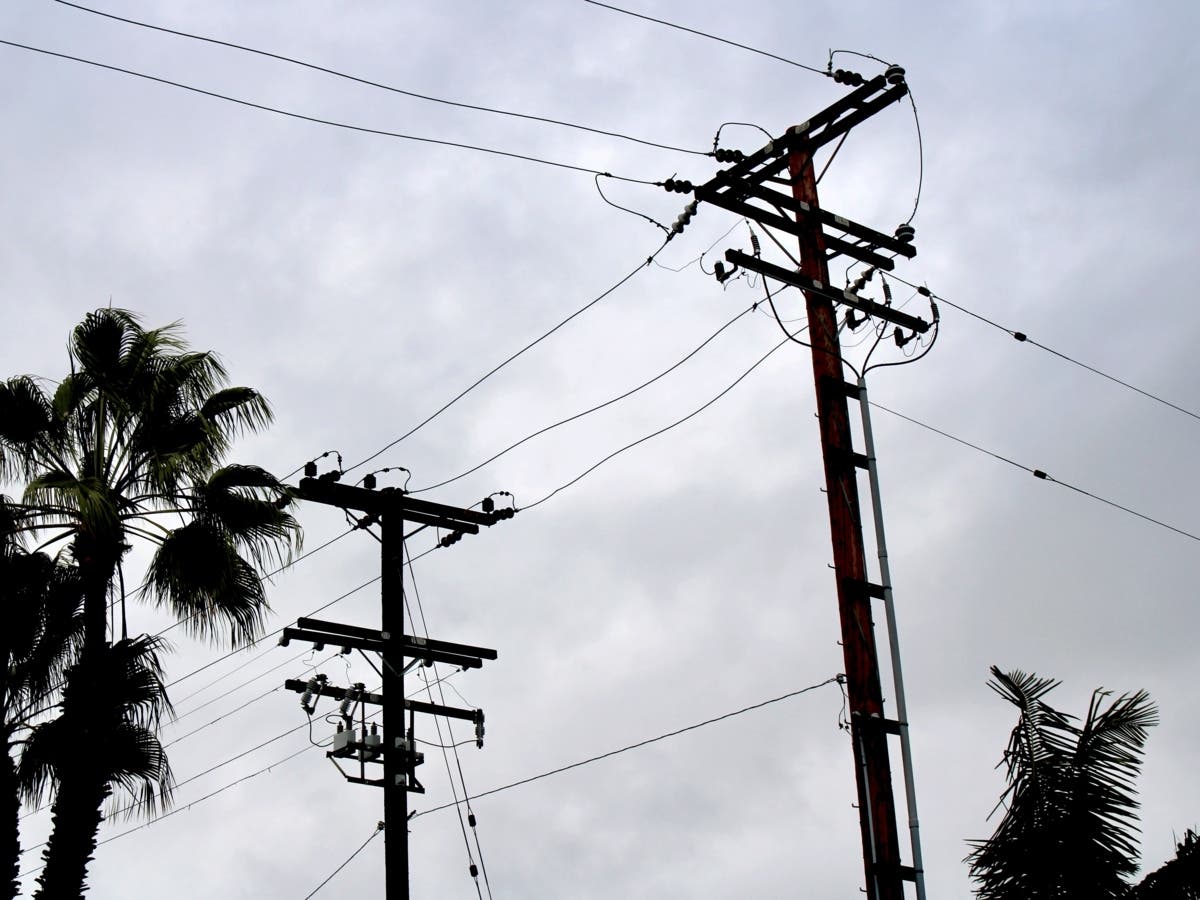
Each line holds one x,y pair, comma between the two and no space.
198,573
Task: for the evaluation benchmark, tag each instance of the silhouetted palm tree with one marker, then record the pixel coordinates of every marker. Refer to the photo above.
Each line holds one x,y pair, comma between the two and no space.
105,740
1070,827
130,445
41,600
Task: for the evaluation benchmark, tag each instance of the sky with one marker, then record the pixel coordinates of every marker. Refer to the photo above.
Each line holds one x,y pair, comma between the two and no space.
361,281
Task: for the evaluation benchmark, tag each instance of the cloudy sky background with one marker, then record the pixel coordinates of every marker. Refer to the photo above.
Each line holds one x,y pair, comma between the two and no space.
362,281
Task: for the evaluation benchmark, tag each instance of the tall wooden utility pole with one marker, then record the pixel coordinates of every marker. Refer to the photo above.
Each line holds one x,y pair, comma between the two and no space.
877,815
746,189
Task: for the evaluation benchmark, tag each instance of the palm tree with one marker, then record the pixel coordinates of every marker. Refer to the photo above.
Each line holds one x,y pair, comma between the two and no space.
130,445
105,738
1070,827
41,599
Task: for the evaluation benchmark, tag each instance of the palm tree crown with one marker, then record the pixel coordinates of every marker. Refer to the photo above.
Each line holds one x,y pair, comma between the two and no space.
1069,831
131,445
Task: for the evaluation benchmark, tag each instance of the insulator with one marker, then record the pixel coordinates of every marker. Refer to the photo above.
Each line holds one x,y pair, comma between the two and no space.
905,234
894,75
859,284
868,274
901,338
923,291
839,76
852,321
311,688
719,269
678,186
474,870
369,481
310,470
471,819
887,292
755,244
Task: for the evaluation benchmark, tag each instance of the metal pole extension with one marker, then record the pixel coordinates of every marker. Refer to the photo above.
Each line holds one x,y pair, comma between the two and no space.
877,809
885,577
396,750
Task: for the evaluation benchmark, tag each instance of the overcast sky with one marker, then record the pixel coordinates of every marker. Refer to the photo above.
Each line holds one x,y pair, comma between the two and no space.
361,281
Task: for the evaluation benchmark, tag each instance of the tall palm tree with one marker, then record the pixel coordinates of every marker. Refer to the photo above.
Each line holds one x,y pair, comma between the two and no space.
40,598
1070,828
130,445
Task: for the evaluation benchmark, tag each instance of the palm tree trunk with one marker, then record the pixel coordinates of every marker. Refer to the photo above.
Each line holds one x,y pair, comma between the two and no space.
10,843
81,788
76,819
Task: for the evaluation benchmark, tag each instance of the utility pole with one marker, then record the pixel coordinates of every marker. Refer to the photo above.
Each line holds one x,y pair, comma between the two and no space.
396,750
745,189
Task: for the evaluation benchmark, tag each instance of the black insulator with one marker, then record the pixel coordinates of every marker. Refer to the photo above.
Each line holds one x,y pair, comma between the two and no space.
901,338
471,819
905,234
474,870
923,291
678,187
488,504
859,284
310,470
369,481
755,244
894,75
887,292
719,270
852,321
1020,336
1038,473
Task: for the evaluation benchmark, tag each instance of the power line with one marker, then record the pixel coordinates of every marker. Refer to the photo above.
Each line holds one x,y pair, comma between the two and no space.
498,367
1023,338
374,834
660,431
1038,473
320,121
639,744
711,37
596,408
385,87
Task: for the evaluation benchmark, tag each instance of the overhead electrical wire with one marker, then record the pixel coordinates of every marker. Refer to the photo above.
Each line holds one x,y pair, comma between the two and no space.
629,393
1038,473
317,120
638,745
660,431
363,846
451,745
1023,338
529,346
381,86
487,793
711,37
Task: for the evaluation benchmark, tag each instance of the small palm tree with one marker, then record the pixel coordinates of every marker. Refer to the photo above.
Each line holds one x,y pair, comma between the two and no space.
130,445
40,598
105,740
1069,830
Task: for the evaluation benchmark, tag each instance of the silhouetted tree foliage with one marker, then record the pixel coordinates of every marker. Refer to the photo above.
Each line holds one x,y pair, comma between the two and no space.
1179,879
131,445
1070,824
40,600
